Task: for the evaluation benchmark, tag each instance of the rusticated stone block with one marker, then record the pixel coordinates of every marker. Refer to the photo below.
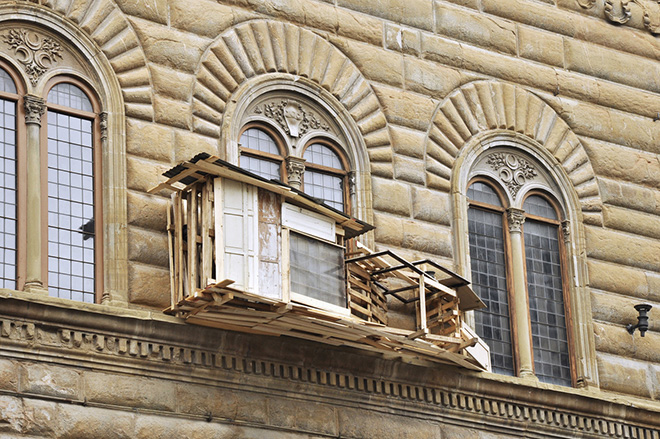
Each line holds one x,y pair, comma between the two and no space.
130,391
149,285
148,247
168,47
622,375
631,221
375,63
534,14
655,370
614,162
405,108
172,112
147,211
628,195
8,376
431,206
427,238
206,400
50,380
142,175
622,248
302,416
188,145
612,65
149,140
476,28
355,26
205,17
621,280
613,339
389,230
369,425
442,50
155,11
12,415
407,142
416,13
544,47
409,169
431,79
171,83
402,39
391,196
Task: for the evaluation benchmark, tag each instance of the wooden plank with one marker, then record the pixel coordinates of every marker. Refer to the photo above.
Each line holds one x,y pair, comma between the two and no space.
178,245
207,226
192,239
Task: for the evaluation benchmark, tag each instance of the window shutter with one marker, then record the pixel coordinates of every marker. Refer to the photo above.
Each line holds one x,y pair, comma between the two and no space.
236,225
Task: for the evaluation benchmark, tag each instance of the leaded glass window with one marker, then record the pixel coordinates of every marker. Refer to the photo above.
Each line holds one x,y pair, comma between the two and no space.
324,175
71,216
8,188
260,154
488,264
546,294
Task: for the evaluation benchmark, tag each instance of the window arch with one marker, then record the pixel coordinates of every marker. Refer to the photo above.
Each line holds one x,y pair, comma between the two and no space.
74,217
325,175
72,100
516,232
299,113
261,151
11,90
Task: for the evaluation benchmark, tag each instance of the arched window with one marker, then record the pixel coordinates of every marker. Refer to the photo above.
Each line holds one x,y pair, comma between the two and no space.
324,176
517,260
73,216
260,153
295,140
489,273
8,181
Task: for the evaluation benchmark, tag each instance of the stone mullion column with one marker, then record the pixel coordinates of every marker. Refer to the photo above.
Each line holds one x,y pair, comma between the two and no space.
523,333
295,168
35,107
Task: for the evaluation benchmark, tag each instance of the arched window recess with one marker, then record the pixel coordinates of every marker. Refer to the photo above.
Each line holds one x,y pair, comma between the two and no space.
521,257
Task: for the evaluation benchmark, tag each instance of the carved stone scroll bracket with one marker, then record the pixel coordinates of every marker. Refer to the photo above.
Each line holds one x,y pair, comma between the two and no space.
36,53
295,167
35,107
620,12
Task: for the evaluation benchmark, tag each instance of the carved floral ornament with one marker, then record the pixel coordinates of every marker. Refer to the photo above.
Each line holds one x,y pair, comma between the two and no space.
512,170
35,52
295,119
620,11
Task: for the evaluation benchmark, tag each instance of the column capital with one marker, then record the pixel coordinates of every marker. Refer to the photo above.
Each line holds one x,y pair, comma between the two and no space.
295,168
516,218
35,107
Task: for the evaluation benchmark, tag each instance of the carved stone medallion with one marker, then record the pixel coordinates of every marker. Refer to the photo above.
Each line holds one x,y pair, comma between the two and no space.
512,170
35,52
292,116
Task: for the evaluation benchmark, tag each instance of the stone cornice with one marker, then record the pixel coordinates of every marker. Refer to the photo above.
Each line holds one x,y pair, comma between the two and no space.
148,347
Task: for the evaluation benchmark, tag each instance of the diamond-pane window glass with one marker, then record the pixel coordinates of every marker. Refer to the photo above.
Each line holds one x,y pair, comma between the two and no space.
546,303
69,95
8,220
539,206
259,140
488,265
71,231
6,83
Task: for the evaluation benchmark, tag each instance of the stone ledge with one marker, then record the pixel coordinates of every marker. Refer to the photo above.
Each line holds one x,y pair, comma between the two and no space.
194,354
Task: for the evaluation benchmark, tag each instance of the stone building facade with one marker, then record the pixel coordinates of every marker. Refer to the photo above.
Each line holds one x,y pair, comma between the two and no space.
422,100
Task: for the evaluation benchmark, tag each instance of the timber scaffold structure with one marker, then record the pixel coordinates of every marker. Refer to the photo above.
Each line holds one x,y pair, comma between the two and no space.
438,296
